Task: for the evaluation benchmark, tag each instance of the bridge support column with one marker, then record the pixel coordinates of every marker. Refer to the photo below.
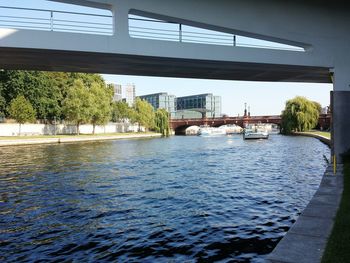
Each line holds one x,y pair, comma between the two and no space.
341,113
121,20
341,123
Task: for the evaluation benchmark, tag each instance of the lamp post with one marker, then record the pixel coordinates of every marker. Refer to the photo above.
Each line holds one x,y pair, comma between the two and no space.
55,125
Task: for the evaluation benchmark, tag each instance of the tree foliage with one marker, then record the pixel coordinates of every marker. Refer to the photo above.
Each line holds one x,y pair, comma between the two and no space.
162,122
45,90
21,110
100,106
299,115
2,106
75,97
121,111
144,113
38,87
76,105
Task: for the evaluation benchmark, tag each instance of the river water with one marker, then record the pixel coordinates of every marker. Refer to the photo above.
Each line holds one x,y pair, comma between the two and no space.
178,199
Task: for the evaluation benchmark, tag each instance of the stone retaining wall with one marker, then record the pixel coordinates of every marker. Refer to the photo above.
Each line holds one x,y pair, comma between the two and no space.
9,129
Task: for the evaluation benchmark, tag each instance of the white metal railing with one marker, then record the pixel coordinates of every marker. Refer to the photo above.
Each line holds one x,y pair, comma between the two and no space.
139,27
146,28
51,20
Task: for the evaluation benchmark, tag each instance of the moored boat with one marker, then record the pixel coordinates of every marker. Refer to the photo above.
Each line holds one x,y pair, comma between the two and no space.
207,131
255,133
231,129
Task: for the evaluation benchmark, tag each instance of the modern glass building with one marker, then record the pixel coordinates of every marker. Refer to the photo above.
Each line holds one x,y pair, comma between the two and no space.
198,106
161,101
130,94
117,92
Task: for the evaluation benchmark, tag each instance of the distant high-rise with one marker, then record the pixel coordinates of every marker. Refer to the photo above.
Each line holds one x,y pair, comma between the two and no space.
130,94
117,96
161,101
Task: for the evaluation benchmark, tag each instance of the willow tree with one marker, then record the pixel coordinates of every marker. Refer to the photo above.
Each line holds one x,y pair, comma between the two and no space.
162,122
300,114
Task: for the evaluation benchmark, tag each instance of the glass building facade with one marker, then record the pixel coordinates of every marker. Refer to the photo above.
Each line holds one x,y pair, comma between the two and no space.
117,92
198,106
161,101
130,94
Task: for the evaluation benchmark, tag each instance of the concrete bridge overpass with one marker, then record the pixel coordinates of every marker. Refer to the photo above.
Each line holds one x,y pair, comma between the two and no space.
320,29
179,125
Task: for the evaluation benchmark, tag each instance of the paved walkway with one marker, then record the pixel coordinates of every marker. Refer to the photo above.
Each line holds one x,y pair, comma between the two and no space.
307,238
73,139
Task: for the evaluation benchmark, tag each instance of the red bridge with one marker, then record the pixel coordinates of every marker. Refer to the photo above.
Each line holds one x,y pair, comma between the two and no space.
179,125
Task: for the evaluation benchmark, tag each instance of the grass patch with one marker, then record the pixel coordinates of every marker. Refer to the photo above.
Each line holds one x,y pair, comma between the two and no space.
72,136
338,246
325,134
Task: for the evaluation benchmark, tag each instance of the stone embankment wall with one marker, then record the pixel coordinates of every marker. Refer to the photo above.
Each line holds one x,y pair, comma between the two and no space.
7,129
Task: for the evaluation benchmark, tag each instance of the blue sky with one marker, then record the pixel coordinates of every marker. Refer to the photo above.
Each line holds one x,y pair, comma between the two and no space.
263,97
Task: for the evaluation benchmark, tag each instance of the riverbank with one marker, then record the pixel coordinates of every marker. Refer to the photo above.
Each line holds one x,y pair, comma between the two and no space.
306,240
311,238
338,246
29,140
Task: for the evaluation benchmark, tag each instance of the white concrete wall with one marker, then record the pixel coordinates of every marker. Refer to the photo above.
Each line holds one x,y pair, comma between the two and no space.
7,129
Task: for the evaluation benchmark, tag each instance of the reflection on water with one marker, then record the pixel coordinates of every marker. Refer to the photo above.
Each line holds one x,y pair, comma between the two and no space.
176,199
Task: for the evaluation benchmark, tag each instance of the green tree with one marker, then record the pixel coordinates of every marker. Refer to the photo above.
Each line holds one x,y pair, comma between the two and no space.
120,111
144,114
2,106
77,104
101,104
162,122
299,115
87,78
21,110
38,87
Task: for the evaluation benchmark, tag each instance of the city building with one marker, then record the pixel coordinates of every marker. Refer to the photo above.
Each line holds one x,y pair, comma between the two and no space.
198,106
161,100
117,96
130,94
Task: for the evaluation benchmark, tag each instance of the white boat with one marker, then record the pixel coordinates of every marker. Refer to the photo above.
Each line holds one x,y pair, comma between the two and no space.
255,133
207,131
231,129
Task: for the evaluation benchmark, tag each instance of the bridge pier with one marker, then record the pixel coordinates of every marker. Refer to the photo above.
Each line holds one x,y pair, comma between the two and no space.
341,108
341,123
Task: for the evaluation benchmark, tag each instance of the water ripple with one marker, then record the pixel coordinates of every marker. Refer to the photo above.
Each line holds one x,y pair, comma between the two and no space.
182,199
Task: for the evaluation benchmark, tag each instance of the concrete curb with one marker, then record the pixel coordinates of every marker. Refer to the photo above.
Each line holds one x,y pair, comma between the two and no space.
307,238
34,141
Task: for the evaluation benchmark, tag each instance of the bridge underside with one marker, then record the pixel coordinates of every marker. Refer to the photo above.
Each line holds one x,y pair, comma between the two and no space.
55,60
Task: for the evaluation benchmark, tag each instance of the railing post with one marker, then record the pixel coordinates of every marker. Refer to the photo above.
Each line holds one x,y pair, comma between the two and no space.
51,20
180,32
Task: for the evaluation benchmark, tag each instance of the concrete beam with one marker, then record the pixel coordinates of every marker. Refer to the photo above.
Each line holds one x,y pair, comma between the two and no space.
56,60
94,4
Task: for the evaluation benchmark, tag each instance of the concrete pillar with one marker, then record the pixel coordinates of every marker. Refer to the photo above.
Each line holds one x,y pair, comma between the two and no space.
120,10
341,113
341,123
